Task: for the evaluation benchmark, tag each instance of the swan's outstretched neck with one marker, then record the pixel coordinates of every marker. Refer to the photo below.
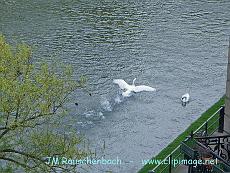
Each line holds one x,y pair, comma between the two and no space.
134,80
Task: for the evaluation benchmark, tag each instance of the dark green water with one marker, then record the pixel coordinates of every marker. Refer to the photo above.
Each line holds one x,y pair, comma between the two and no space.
170,44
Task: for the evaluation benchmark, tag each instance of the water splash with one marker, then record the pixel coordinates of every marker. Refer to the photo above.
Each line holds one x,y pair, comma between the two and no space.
84,124
118,99
98,113
93,115
106,105
109,104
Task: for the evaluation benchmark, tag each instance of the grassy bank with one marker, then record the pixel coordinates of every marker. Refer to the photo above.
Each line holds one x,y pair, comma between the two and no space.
166,151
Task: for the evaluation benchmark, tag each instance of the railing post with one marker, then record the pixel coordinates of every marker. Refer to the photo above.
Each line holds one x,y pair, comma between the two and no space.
218,146
170,163
221,121
206,128
191,134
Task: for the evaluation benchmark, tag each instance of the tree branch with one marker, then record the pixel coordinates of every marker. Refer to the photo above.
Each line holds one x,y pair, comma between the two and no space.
7,118
32,157
16,162
3,128
17,111
4,132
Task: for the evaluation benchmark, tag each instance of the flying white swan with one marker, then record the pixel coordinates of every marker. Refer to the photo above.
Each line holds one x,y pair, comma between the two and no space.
128,89
185,99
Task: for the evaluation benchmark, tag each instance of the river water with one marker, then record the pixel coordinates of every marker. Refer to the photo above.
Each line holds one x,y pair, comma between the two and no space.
171,45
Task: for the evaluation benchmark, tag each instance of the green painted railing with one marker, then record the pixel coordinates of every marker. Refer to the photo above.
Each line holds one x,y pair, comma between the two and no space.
207,128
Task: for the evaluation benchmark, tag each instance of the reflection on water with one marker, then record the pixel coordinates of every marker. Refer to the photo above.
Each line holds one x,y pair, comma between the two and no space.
171,45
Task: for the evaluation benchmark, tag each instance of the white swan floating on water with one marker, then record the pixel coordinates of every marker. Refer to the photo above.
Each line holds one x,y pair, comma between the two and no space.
185,99
128,89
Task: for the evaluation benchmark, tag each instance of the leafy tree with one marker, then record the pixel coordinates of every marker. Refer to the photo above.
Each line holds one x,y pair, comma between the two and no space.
32,109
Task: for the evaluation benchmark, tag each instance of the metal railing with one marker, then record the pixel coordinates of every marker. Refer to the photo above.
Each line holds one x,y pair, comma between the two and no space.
207,128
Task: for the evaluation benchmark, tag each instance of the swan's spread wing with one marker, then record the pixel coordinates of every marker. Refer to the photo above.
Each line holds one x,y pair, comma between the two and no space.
122,84
143,88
